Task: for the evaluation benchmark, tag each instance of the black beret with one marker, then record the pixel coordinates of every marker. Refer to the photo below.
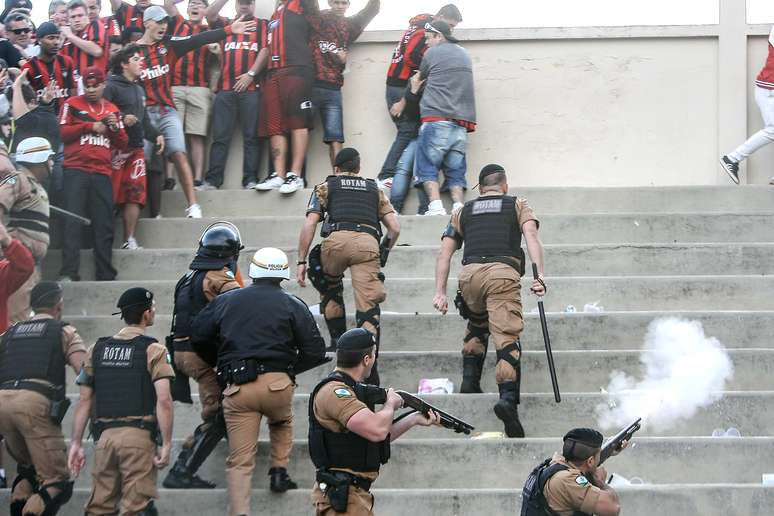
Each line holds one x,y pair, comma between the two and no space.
587,436
45,294
356,340
136,296
345,156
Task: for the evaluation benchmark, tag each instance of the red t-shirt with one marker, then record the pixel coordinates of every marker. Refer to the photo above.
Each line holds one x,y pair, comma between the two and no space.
95,31
61,70
191,69
239,54
85,149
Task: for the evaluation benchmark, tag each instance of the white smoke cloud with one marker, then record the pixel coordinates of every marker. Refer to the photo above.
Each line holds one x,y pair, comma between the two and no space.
683,369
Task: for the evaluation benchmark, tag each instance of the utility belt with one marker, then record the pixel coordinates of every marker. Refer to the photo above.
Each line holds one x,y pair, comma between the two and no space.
516,262
328,228
59,401
97,427
335,486
240,372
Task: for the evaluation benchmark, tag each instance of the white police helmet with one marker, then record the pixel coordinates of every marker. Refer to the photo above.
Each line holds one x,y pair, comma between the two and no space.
269,262
34,150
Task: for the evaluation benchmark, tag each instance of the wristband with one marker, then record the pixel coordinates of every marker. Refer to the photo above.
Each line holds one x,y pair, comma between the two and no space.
301,262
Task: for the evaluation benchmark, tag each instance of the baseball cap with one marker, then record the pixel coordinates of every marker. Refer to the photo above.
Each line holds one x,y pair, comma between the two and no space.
45,294
441,27
34,150
155,13
93,75
136,296
345,156
46,29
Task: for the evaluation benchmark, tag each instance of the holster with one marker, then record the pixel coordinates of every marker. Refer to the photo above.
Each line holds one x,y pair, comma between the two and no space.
59,410
336,488
462,306
240,372
326,229
181,385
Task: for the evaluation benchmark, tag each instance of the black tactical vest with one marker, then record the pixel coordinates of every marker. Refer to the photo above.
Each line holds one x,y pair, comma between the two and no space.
189,301
122,383
33,350
533,500
491,231
353,199
345,450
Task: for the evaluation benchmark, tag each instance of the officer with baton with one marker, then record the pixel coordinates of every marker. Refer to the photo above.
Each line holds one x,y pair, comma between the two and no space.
489,296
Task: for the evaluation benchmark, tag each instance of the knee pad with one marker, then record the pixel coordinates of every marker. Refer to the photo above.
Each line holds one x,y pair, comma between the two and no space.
371,316
54,503
28,473
504,354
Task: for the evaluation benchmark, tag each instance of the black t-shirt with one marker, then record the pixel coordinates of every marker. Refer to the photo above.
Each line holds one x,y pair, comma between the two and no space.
10,53
41,122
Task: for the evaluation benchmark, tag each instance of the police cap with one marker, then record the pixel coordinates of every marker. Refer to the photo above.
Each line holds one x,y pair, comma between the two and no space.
135,297
347,159
355,340
587,436
46,294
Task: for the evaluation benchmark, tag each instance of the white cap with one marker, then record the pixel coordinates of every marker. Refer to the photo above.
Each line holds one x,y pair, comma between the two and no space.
269,262
155,13
34,150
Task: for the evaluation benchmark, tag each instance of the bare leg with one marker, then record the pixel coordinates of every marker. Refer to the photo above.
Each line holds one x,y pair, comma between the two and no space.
131,216
196,148
185,176
279,153
333,150
457,194
300,144
433,190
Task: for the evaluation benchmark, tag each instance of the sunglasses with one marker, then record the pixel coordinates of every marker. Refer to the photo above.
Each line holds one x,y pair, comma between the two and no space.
19,32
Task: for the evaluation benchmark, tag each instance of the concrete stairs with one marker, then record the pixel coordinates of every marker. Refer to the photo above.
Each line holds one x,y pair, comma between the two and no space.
702,253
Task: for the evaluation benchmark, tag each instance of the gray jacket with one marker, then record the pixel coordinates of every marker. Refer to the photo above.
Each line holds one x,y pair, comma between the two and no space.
449,90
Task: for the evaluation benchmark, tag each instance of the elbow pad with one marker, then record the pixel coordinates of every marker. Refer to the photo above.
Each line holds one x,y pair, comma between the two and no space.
84,379
451,233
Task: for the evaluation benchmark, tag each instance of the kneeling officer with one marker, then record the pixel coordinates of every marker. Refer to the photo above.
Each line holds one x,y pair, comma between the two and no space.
348,441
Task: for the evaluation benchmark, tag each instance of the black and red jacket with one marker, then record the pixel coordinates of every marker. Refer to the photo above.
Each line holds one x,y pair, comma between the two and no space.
407,56
129,15
191,69
290,33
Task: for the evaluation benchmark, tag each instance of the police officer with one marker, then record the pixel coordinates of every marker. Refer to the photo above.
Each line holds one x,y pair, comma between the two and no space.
573,483
24,201
259,337
489,296
353,208
33,358
348,441
212,272
125,390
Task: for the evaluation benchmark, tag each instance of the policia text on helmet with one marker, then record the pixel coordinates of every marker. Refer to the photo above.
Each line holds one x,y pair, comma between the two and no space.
352,209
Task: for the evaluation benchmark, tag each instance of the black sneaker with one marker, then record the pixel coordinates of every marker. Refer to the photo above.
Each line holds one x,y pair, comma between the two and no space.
280,480
177,479
169,183
731,168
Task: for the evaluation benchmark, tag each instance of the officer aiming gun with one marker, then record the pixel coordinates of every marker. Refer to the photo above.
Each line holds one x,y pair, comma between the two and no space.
619,441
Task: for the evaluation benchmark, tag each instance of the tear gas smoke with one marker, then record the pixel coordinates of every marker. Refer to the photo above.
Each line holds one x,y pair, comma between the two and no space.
684,370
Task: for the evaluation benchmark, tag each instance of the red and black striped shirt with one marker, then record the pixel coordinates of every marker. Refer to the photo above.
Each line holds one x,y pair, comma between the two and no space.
407,56
288,36
129,15
239,54
95,31
191,69
41,73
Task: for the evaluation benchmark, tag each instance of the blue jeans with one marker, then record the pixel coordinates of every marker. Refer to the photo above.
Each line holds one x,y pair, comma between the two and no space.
403,180
232,107
328,104
407,131
442,146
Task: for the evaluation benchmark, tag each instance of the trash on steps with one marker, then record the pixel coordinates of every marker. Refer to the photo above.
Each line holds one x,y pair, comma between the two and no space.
435,386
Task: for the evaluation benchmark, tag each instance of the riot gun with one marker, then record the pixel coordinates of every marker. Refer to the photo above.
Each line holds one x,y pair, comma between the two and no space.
614,443
374,395
384,250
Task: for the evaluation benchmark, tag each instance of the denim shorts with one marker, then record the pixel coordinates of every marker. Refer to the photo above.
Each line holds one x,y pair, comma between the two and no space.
328,104
441,146
167,122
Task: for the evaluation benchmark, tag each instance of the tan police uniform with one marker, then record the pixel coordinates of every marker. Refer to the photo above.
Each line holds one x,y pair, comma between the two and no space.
25,203
31,437
334,405
493,291
123,472
569,491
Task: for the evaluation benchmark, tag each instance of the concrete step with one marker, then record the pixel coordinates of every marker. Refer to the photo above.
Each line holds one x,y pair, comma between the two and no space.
583,228
690,499
466,464
746,411
418,261
431,332
753,369
706,500
241,203
621,293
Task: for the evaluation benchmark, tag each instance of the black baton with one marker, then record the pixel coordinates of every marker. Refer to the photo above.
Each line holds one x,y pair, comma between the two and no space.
547,342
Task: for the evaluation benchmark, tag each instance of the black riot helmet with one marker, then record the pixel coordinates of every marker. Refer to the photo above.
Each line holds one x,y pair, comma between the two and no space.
220,240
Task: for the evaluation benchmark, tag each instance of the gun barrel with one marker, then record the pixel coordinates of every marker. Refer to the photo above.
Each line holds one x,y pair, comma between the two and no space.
447,420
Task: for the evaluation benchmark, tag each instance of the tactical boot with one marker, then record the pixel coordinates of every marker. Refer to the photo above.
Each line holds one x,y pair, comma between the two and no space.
507,409
280,480
179,478
471,374
150,510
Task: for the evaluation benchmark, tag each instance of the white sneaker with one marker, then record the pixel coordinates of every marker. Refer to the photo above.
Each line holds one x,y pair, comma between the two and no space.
384,184
131,244
457,206
292,184
194,211
272,182
435,208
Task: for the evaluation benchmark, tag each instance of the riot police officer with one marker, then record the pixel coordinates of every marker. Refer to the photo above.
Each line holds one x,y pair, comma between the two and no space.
348,440
212,272
489,296
33,357
573,483
125,391
353,208
260,337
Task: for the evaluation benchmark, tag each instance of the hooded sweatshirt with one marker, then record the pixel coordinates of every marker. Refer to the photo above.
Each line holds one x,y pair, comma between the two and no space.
129,97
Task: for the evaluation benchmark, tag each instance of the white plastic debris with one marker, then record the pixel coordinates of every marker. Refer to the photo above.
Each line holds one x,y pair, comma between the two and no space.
435,386
593,308
767,479
570,309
